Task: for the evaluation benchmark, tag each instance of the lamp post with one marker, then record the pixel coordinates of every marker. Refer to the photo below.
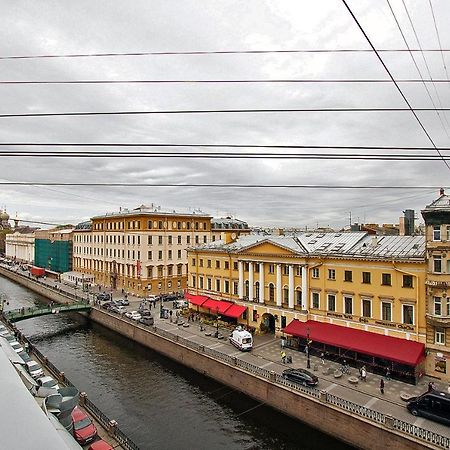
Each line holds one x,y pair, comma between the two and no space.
217,322
308,361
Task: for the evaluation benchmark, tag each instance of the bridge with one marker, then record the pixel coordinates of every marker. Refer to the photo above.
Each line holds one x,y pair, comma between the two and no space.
16,315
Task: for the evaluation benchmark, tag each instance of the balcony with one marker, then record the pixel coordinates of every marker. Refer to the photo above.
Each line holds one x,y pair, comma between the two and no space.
438,321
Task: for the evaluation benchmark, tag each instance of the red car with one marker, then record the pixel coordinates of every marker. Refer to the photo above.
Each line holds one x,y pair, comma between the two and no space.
83,428
100,445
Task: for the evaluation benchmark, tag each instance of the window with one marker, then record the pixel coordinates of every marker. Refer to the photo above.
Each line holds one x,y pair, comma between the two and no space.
408,314
283,321
208,264
348,305
227,265
271,268
331,274
315,300
160,240
285,269
200,282
448,232
188,240
179,254
193,261
196,239
407,281
205,239
298,297
235,288
366,307
331,302
218,285
271,292
285,295
255,315
169,271
208,284
386,311
169,254
169,240
386,279
437,233
217,264
257,289
315,273
348,275
235,266
201,263
437,264
437,301
439,336
179,241
366,277
227,287
160,254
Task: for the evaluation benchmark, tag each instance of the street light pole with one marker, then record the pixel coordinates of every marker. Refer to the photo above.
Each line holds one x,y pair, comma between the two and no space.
308,361
217,324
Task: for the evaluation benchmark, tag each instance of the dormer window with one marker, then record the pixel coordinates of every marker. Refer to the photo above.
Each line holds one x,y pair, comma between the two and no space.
436,233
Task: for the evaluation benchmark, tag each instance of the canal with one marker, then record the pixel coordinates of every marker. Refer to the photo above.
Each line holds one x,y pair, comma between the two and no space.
160,404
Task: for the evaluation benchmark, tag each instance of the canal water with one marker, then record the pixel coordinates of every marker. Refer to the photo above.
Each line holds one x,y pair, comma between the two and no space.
160,404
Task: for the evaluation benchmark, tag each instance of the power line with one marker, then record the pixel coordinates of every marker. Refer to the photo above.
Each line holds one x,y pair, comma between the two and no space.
184,145
297,156
395,83
212,52
217,111
220,81
211,185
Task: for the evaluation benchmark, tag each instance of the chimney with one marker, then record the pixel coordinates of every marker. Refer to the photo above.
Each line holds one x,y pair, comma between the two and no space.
441,191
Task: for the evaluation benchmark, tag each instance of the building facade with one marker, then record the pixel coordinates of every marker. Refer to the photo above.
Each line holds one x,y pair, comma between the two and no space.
53,249
373,284
437,233
20,247
142,251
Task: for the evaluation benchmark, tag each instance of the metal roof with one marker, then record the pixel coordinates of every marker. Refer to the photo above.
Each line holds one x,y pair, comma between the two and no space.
354,244
443,202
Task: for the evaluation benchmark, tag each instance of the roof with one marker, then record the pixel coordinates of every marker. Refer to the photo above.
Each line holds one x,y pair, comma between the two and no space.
386,347
150,211
349,244
228,223
443,202
23,413
84,226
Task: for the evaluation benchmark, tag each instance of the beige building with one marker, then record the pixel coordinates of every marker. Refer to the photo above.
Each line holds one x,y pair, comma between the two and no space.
20,247
142,251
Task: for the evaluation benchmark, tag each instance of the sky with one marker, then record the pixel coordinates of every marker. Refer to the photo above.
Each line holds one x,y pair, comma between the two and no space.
67,27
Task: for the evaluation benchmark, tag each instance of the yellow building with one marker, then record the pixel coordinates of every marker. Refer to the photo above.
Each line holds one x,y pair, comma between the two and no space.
373,284
437,232
142,251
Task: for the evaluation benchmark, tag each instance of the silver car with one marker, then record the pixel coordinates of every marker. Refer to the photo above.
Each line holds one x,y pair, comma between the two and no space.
34,369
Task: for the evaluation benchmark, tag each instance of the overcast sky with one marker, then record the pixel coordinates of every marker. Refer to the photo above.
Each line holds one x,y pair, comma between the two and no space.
67,27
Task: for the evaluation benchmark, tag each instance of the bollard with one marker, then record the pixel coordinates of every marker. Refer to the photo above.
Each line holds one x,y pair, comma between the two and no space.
323,396
389,422
235,361
112,426
82,399
272,376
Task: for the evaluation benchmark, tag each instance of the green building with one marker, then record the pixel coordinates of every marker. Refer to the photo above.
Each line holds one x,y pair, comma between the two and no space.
53,249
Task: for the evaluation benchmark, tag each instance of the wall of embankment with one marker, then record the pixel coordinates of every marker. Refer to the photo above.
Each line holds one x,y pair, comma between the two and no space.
316,412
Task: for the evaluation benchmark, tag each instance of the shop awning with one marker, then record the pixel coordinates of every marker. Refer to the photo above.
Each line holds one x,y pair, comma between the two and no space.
195,299
235,311
373,344
216,306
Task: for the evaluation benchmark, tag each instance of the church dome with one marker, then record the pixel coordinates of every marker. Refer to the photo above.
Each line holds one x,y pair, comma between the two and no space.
4,216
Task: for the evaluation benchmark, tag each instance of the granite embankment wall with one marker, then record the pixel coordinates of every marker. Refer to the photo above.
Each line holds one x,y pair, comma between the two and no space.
336,419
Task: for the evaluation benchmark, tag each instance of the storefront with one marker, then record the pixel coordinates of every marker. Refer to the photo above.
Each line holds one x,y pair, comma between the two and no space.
404,359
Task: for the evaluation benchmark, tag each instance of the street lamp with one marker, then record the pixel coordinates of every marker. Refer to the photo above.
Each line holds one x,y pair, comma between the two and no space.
308,361
217,322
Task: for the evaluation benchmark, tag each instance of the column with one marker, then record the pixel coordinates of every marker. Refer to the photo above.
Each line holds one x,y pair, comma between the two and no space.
261,282
305,294
278,286
241,280
291,286
250,281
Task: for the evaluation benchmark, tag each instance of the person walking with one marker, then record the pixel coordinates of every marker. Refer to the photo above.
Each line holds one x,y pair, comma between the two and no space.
363,373
322,358
283,357
170,314
388,374
430,386
382,386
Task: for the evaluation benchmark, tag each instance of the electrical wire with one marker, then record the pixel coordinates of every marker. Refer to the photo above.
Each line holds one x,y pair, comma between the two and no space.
396,84
212,52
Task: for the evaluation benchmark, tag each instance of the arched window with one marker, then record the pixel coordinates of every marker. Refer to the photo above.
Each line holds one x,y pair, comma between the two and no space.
257,289
285,295
271,292
298,296
246,289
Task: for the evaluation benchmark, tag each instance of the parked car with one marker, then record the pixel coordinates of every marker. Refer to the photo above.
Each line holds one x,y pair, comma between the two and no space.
147,320
17,346
100,445
34,369
119,309
300,376
133,315
25,356
83,428
180,304
144,312
103,296
47,382
123,302
106,305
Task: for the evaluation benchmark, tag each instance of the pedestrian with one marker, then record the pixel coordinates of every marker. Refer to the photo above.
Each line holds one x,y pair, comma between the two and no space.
170,314
382,386
322,358
430,386
388,374
364,373
283,357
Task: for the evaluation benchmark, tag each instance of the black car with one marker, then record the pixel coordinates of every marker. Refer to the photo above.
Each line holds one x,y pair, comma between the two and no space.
146,320
300,376
103,296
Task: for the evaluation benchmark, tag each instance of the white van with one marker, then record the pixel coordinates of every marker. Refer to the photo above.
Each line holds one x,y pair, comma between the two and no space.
241,339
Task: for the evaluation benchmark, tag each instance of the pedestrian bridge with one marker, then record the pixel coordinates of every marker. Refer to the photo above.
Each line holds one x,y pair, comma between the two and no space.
16,315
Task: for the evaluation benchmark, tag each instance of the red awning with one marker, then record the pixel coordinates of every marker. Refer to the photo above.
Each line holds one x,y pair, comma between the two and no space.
373,344
216,306
235,311
196,299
